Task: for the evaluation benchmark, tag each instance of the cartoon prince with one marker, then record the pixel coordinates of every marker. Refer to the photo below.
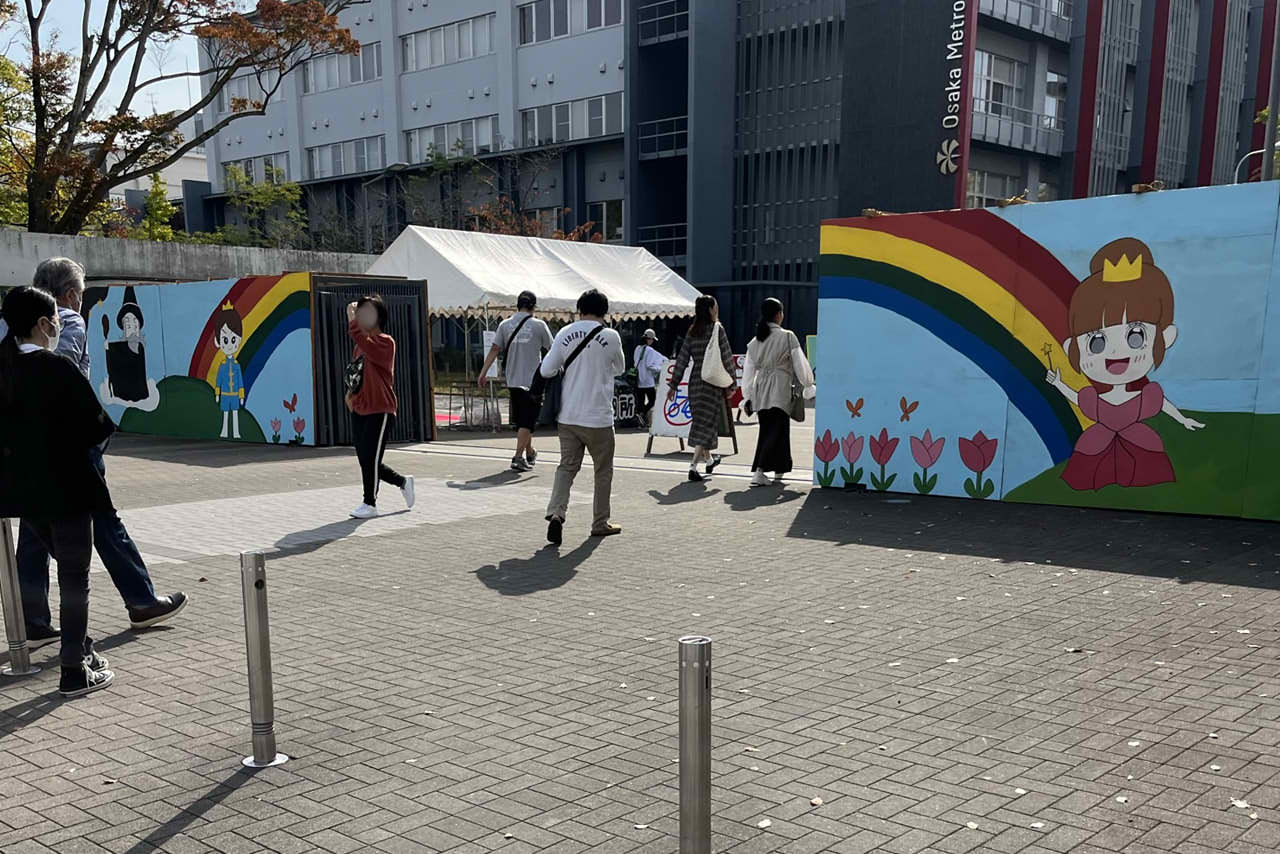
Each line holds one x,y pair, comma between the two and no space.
228,390
1121,324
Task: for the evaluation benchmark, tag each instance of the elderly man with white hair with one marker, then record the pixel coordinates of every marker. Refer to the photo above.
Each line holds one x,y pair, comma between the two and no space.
63,278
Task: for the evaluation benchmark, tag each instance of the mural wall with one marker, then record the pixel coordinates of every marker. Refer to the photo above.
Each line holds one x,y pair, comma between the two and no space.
1117,352
227,359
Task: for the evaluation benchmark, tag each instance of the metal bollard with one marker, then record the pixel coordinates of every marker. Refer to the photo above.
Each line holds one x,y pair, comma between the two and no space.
695,745
15,626
257,641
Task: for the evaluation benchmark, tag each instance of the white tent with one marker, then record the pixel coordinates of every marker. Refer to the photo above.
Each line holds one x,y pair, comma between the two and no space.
469,272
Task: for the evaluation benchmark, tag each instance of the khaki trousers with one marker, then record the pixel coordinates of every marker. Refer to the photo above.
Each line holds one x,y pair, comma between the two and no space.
574,442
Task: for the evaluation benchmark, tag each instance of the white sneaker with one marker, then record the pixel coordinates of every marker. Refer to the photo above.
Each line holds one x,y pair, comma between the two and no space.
407,491
760,479
364,511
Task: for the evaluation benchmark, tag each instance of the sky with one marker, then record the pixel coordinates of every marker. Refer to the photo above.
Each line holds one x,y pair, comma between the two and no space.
65,16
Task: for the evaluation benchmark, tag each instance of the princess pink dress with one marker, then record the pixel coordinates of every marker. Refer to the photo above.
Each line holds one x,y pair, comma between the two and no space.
1119,448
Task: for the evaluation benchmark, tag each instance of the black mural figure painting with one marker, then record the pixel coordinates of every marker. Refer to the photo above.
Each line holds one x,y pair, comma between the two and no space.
127,359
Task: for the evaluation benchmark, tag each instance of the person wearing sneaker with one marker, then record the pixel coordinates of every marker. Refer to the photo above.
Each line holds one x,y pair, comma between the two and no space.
371,397
49,419
648,363
707,403
774,366
593,355
63,278
520,343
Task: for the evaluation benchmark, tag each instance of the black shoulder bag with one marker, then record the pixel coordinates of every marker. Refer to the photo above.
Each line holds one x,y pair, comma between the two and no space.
502,360
549,390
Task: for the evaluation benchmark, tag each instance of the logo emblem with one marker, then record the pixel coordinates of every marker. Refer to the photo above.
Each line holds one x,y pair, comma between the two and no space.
949,157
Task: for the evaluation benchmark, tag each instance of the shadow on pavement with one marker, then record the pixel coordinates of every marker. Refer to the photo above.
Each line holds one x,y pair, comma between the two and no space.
212,453
187,816
314,539
762,496
547,569
1186,548
489,481
683,493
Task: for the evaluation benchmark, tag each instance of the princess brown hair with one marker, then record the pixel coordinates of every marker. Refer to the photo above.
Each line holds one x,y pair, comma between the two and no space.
1097,303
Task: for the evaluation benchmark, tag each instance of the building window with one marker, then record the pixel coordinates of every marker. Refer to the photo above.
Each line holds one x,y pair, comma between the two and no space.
570,120
607,219
999,85
543,20
454,42
550,220
1055,101
270,168
603,13
321,73
346,158
987,188
455,139
249,90
367,65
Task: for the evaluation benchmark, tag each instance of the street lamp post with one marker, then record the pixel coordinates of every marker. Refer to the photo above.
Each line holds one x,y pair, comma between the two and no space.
1245,159
393,169
1273,106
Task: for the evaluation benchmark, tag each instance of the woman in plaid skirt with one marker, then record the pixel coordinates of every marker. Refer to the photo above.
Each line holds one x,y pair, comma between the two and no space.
706,402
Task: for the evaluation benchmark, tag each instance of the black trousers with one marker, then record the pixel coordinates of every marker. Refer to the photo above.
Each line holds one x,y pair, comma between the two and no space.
371,443
773,446
69,539
645,398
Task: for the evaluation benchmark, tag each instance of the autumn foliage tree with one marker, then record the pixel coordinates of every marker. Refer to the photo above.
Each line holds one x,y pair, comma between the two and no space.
82,141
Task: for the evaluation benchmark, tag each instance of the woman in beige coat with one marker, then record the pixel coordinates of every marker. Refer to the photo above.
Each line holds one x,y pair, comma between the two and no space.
774,364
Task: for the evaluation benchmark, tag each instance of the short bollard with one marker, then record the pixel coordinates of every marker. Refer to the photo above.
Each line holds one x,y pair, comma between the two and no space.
695,745
15,627
257,642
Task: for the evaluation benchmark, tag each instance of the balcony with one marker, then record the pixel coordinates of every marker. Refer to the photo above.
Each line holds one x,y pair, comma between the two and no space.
663,138
1020,129
1051,18
668,243
662,20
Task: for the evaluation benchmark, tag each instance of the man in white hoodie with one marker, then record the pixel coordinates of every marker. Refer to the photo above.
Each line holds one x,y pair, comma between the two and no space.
593,355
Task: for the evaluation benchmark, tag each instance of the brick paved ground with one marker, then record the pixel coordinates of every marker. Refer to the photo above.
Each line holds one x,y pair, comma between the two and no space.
947,676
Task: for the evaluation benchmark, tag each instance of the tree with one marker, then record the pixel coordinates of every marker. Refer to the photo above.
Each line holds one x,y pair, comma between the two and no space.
158,217
269,212
81,148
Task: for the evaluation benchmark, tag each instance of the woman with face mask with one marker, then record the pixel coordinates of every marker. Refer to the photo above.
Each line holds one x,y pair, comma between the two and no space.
49,419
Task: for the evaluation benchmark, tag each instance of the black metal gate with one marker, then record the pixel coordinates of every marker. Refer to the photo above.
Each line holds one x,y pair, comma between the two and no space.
407,309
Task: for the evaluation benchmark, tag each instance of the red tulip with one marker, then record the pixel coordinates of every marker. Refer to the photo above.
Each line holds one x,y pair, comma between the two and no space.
299,425
826,448
852,446
979,452
926,451
882,447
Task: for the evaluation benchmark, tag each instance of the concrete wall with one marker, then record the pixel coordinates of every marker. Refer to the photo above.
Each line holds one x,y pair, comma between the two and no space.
108,259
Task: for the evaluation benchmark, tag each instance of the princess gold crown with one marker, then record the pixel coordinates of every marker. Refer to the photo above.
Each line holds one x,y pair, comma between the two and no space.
1123,270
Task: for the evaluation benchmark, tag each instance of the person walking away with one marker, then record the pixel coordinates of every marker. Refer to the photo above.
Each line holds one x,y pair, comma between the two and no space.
590,355
774,364
706,402
49,419
648,362
63,278
371,397
520,342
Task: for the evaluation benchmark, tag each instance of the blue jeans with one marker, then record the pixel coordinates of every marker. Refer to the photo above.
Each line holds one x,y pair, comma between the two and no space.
116,550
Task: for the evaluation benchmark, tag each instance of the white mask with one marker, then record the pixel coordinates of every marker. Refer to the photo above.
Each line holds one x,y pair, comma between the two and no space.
52,344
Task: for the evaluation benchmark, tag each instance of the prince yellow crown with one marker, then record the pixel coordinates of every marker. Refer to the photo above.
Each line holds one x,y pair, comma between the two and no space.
1123,270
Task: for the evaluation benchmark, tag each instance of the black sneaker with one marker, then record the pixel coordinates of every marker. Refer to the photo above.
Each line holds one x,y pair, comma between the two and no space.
78,681
166,607
713,462
555,531
531,457
518,464
694,477
37,638
95,662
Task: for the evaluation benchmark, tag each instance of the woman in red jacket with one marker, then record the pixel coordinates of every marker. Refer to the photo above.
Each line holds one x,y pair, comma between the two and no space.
371,397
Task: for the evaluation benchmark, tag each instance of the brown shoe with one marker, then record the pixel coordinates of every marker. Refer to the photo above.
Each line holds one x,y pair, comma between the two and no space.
606,531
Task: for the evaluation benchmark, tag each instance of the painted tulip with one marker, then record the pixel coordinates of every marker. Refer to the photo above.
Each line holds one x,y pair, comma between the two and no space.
978,453
882,447
926,451
852,447
299,425
275,425
826,447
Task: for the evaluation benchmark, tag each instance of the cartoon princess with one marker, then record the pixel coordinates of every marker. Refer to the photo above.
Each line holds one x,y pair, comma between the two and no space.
228,389
1121,323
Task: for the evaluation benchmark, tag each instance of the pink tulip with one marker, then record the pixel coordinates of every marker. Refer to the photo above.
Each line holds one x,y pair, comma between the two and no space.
926,451
852,446
275,425
299,425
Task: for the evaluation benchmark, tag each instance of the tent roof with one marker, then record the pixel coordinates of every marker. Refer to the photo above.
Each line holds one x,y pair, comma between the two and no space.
467,271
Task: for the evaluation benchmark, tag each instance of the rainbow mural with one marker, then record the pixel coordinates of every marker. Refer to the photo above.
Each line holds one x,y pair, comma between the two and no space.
944,338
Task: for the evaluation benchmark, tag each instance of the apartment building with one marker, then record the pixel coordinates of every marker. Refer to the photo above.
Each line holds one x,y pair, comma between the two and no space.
718,133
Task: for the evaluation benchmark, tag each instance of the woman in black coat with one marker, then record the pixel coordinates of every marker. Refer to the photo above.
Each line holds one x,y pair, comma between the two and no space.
49,419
